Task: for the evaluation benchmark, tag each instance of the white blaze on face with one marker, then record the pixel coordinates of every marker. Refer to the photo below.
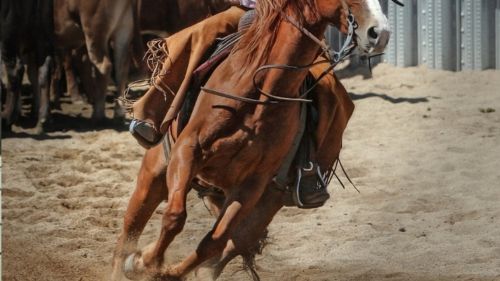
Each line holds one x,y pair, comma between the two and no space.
376,11
374,34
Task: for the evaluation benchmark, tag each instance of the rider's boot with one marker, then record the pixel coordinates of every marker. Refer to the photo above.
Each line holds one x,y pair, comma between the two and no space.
149,111
310,188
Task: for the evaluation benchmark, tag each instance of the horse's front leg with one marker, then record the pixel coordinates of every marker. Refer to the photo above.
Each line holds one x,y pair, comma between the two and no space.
239,204
180,172
148,194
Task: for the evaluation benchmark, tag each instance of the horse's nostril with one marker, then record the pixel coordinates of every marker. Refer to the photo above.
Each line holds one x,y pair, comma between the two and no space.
372,33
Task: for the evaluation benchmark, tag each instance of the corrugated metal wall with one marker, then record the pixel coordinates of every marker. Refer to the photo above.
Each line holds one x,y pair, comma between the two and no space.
443,34
403,43
438,33
497,25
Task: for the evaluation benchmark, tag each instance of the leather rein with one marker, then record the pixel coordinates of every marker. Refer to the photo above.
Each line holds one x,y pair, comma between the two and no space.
334,58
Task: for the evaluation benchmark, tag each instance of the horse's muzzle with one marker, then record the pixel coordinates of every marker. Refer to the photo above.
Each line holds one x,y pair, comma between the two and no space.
378,39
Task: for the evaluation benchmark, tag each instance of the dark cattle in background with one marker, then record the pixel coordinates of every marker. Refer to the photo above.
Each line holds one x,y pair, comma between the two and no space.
73,71
106,28
26,39
158,18
91,38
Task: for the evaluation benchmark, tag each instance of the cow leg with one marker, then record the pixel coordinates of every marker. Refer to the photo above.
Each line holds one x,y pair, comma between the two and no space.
94,86
149,192
71,82
44,90
33,77
12,108
122,39
98,52
55,82
246,238
99,95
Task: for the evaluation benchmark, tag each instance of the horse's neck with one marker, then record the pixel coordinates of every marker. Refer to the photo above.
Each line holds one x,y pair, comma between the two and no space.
292,47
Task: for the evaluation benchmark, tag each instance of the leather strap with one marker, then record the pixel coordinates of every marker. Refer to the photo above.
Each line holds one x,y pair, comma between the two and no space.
281,178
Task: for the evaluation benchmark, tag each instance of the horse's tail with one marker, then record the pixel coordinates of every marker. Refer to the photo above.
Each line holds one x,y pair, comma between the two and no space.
249,264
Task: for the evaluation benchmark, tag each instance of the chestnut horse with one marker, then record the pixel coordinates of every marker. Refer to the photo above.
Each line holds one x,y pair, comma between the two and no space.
238,146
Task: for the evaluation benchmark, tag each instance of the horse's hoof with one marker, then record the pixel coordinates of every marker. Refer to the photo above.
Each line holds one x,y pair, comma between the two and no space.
41,127
132,265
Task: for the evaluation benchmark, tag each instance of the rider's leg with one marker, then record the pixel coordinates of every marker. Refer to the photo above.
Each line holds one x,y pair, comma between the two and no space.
334,108
184,51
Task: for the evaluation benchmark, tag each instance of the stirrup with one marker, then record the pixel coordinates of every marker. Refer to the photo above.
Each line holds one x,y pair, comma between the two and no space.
313,180
145,133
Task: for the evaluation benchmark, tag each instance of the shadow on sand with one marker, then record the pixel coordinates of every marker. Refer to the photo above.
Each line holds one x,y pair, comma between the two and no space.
388,98
65,116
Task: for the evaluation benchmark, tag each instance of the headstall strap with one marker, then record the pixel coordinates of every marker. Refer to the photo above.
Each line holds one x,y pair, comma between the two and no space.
347,47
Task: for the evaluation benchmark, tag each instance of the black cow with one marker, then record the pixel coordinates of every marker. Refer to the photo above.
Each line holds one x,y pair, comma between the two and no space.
26,38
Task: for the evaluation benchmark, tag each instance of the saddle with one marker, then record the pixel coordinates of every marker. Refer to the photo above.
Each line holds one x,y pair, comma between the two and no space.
300,176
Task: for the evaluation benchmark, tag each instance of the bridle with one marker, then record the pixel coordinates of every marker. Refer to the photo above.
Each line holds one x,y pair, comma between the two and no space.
333,58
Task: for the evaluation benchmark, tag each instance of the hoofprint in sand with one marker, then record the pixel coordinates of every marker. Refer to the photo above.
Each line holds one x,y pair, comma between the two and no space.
423,147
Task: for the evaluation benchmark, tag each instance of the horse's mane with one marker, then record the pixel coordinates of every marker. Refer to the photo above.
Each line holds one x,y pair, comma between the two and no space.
257,41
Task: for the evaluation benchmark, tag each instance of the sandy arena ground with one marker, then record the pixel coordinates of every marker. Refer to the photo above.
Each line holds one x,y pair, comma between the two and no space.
423,147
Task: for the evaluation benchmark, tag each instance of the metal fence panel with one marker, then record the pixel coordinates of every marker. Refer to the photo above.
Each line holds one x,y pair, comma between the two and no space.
403,43
497,24
477,34
438,47
442,34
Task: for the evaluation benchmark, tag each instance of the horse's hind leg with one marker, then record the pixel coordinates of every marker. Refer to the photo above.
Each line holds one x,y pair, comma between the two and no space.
207,271
149,193
247,238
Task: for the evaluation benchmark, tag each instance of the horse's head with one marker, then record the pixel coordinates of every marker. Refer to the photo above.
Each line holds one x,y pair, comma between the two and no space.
372,33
